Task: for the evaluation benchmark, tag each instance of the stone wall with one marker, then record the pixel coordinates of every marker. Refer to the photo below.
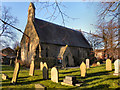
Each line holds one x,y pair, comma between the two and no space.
28,46
53,51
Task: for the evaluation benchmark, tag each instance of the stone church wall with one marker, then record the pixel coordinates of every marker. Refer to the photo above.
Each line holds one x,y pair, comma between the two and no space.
53,51
28,46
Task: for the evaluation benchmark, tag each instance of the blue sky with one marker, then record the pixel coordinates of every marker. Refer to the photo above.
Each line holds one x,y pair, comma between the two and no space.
85,12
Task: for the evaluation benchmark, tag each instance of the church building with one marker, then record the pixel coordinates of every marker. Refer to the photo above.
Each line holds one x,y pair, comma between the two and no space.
50,40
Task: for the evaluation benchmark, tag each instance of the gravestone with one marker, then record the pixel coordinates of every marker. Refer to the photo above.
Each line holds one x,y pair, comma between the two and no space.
117,67
45,65
83,69
98,63
31,72
54,74
69,80
40,87
87,63
41,66
4,76
45,73
108,65
16,72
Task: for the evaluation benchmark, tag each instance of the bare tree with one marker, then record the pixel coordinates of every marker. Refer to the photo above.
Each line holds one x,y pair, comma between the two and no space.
94,41
9,21
58,10
7,35
108,28
109,37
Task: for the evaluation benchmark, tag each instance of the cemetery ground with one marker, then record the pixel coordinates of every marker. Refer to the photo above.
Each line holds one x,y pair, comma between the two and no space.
96,78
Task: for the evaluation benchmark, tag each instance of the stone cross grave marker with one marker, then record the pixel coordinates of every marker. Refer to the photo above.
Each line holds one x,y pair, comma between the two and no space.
117,67
83,69
98,63
87,63
41,66
31,72
45,73
16,72
108,65
54,74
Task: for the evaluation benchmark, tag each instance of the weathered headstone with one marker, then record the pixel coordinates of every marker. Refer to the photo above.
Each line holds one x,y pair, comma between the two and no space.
45,65
54,74
16,72
69,80
108,65
117,67
4,76
83,69
98,63
41,66
87,63
40,87
45,73
31,72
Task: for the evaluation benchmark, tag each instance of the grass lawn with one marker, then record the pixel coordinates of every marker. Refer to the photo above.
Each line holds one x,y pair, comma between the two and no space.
97,78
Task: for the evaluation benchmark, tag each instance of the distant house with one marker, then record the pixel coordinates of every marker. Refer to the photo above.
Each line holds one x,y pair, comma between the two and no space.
51,40
99,53
7,55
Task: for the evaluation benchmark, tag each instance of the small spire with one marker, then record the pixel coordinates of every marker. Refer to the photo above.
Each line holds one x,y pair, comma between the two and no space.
31,4
31,12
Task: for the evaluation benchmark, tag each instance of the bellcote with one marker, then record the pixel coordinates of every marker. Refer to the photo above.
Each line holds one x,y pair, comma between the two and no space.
31,12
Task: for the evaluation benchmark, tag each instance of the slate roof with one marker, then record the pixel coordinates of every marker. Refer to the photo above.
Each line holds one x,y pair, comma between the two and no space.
55,34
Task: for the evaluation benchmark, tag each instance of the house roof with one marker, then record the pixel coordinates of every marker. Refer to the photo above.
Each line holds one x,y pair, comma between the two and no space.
8,49
8,52
55,34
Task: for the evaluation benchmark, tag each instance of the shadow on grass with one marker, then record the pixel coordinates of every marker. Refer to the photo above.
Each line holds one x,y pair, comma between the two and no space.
68,72
98,73
113,78
100,80
23,77
101,86
5,84
87,81
21,83
29,82
90,80
113,69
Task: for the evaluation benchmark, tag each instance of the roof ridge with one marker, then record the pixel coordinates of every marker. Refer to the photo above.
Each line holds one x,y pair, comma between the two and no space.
49,32
58,25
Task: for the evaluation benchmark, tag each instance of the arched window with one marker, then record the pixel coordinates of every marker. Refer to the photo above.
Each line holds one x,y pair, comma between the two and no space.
66,61
28,46
37,51
46,52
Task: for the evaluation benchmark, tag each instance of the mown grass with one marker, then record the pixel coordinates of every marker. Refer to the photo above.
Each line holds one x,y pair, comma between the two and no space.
97,78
